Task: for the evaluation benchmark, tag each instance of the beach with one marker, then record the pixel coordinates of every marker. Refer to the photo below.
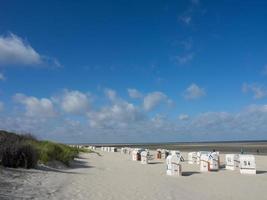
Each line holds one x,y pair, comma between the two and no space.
115,176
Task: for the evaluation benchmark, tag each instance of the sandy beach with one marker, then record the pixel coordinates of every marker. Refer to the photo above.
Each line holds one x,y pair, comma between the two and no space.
116,176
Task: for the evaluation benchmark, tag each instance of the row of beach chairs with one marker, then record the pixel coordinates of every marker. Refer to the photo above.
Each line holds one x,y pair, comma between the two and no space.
207,161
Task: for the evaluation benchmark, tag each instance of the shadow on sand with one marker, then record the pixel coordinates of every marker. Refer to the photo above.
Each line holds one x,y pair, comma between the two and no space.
189,173
75,164
50,169
154,163
222,166
261,172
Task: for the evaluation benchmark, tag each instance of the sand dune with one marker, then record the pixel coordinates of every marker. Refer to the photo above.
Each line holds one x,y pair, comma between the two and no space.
115,176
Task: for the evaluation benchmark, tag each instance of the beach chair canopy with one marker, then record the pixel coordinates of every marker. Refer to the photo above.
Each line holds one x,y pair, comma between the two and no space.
144,153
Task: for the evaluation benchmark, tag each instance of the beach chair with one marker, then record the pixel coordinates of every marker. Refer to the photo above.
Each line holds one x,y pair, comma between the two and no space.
158,153
144,157
232,161
174,167
247,164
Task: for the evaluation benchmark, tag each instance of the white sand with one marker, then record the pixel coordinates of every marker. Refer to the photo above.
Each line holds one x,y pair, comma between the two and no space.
115,176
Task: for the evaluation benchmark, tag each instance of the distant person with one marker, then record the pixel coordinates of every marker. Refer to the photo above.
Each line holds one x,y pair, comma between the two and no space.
214,150
242,152
258,151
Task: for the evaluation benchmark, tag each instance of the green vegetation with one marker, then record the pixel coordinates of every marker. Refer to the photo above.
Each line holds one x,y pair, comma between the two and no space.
49,151
26,151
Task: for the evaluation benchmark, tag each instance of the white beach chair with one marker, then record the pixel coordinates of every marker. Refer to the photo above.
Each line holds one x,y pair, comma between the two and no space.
231,161
144,157
247,164
174,167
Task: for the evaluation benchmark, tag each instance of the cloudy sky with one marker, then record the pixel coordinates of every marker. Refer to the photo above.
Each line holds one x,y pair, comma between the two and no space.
134,71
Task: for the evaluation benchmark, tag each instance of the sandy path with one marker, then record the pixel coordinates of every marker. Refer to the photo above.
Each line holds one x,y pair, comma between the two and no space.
114,176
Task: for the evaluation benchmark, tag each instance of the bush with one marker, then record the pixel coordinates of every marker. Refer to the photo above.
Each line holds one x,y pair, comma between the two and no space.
29,156
49,151
25,151
19,155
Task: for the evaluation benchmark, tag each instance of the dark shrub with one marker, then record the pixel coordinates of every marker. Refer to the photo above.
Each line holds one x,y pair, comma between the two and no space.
16,151
9,156
19,155
28,157
25,151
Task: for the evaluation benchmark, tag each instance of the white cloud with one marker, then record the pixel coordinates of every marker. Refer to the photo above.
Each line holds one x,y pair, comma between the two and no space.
2,77
75,102
13,50
16,51
125,122
257,108
246,124
211,119
194,92
257,90
184,58
117,115
36,107
122,121
183,117
153,99
134,93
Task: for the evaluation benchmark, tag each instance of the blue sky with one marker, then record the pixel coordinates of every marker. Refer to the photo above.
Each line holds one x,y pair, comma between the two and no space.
131,71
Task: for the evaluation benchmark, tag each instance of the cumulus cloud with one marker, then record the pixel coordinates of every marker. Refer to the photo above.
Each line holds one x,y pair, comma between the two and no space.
134,93
123,121
2,77
246,124
75,102
118,115
211,119
153,99
15,51
257,90
35,107
257,108
194,92
21,124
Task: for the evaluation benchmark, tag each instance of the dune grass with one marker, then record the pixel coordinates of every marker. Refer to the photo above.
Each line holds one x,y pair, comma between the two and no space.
26,151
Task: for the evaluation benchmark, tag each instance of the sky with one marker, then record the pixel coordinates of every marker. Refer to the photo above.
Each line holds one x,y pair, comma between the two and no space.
134,71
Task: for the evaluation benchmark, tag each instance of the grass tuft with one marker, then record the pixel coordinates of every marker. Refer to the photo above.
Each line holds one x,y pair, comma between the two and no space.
26,151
